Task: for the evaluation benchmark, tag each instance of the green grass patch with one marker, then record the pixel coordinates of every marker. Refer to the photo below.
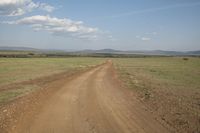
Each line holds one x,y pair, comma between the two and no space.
13,70
169,71
21,69
9,95
167,85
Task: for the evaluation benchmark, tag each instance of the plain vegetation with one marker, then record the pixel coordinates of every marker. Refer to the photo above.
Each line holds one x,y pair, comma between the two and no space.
169,86
16,70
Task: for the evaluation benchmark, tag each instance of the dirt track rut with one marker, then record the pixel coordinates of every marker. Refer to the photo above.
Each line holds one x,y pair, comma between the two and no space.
92,103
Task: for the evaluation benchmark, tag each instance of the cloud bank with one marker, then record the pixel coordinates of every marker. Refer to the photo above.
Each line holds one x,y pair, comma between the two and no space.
58,26
53,25
20,7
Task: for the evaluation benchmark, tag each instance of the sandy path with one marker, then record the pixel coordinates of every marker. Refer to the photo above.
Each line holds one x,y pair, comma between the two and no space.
92,103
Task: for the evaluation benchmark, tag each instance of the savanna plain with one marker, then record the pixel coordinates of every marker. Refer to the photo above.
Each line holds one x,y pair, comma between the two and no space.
87,94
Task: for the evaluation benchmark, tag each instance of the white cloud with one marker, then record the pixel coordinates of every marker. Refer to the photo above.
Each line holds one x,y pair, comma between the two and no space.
46,7
146,36
145,39
60,27
20,7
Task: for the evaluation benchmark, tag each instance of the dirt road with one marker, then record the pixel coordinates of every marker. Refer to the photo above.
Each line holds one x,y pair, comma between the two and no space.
93,102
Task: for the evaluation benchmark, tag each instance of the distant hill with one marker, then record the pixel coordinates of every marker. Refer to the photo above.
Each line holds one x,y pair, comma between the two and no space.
139,52
194,52
103,51
98,51
5,48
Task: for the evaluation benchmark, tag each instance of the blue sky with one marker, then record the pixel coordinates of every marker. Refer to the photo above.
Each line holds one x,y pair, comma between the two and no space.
98,24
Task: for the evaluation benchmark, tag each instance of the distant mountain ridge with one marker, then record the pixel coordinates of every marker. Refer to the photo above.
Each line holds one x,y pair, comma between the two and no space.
6,48
103,51
140,52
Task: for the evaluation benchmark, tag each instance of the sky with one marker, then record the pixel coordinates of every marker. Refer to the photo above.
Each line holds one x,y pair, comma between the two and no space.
101,24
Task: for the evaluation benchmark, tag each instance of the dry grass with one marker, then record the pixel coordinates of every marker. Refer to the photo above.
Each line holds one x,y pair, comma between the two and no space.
21,69
17,70
170,86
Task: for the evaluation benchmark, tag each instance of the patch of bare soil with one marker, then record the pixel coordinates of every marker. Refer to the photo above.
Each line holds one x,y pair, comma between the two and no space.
28,105
93,101
178,109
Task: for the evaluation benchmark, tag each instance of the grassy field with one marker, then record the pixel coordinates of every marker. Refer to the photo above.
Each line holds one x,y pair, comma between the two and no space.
15,70
170,86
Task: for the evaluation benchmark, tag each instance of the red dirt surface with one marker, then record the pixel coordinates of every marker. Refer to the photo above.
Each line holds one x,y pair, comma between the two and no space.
93,101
